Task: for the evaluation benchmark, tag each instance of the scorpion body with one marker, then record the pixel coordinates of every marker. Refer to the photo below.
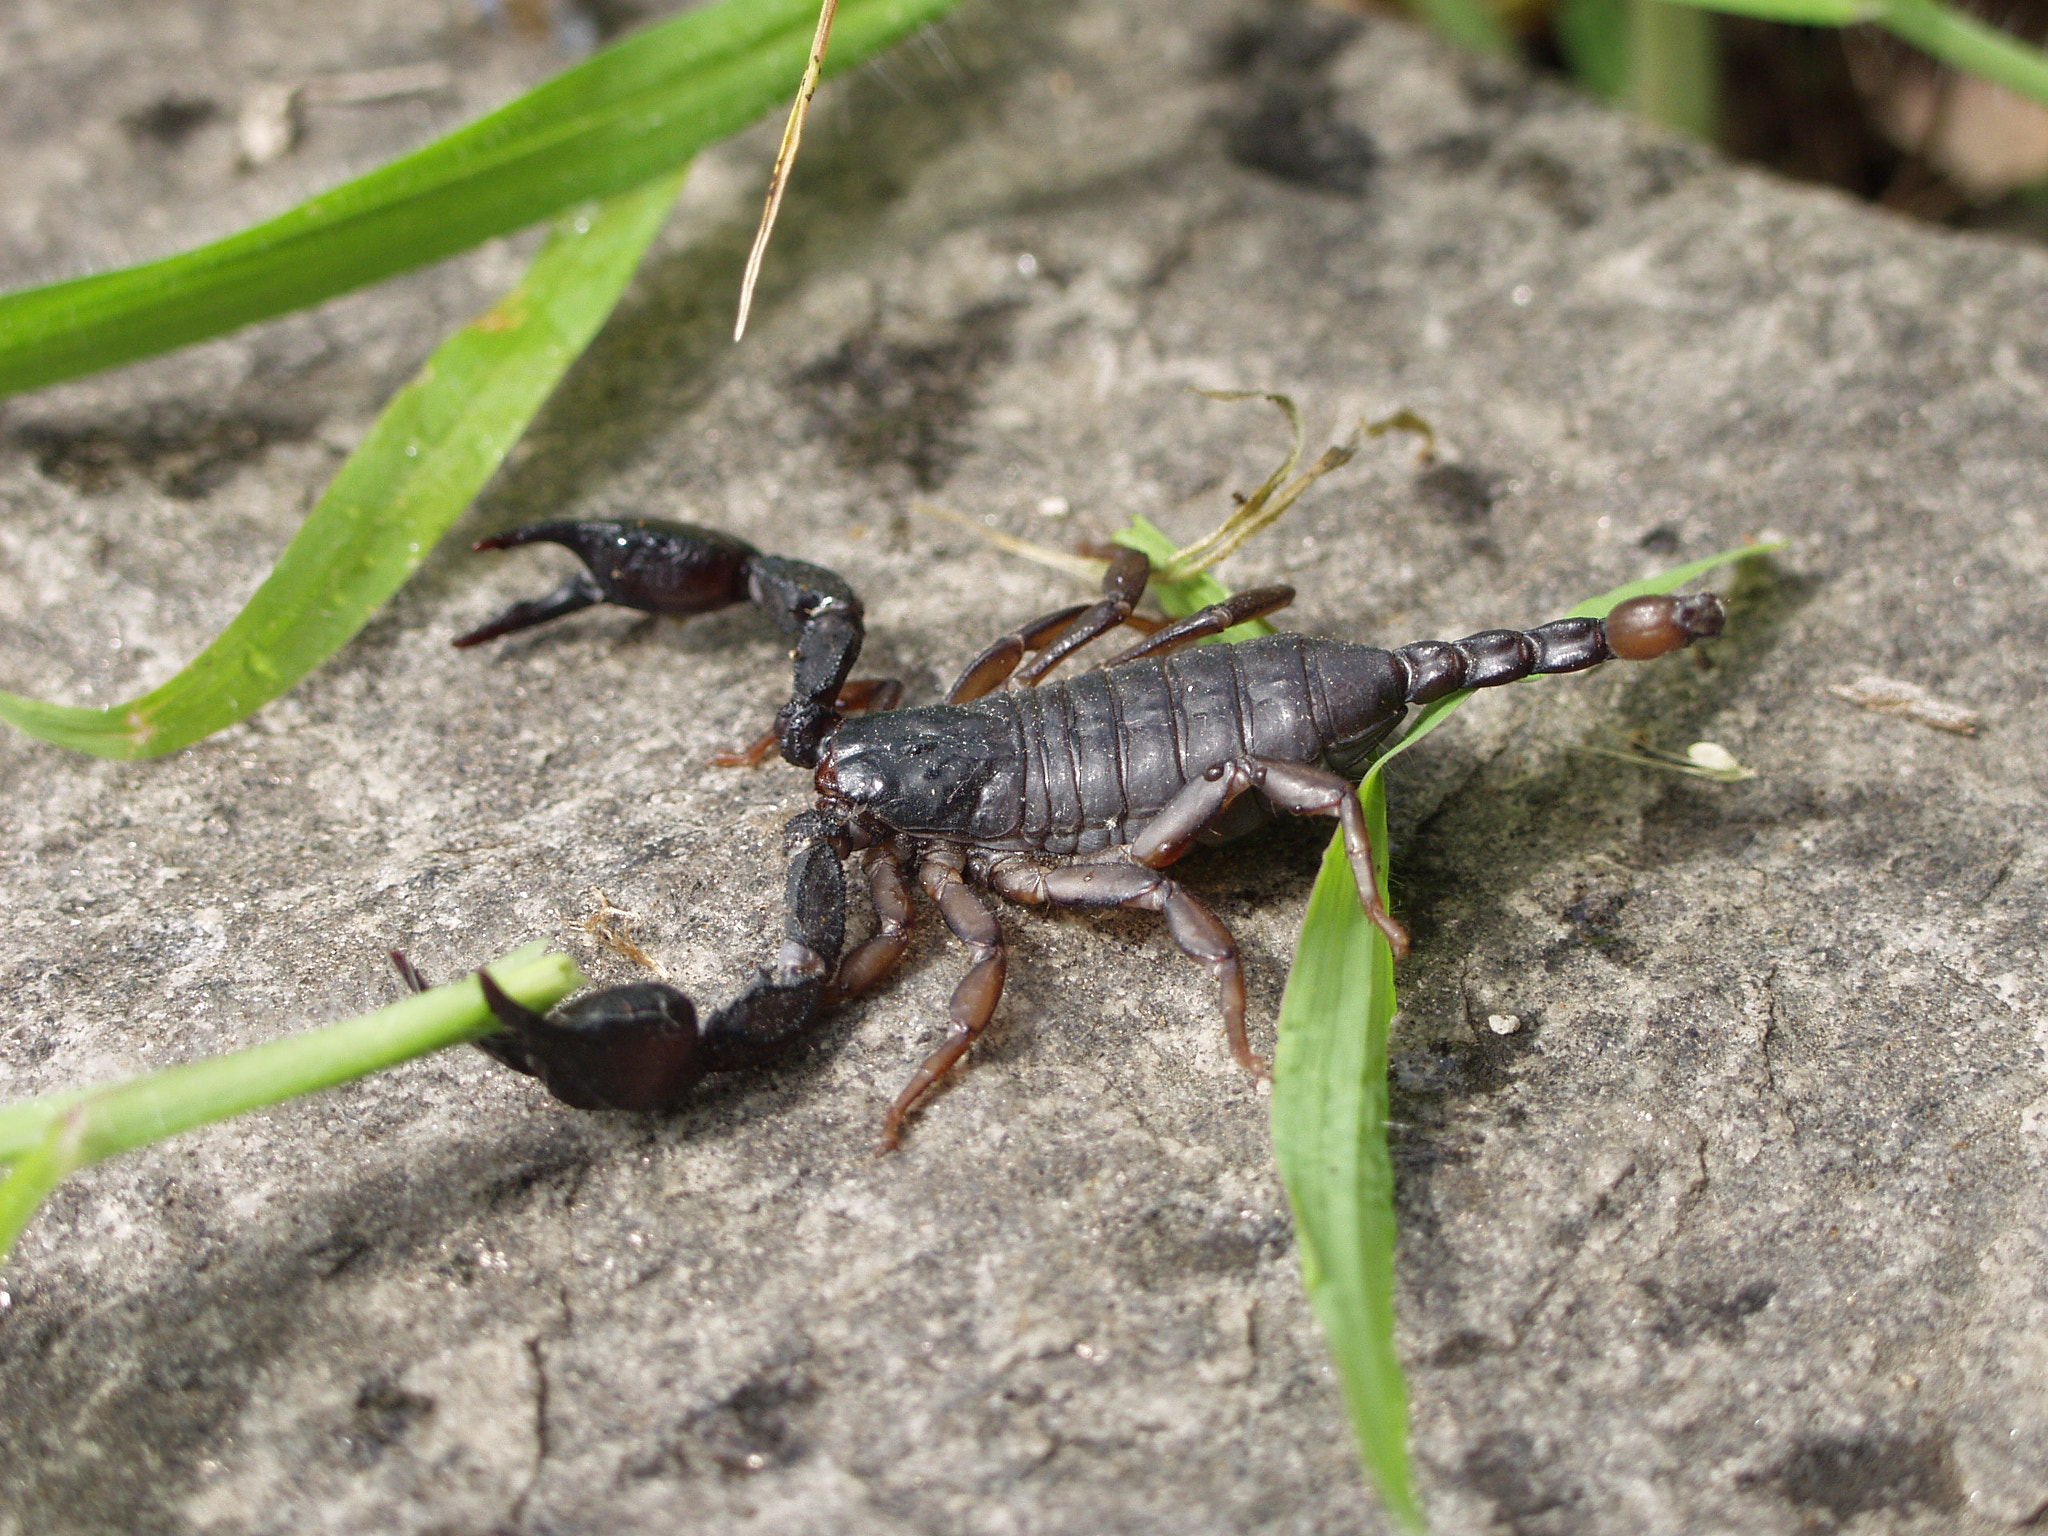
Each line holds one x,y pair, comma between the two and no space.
1079,793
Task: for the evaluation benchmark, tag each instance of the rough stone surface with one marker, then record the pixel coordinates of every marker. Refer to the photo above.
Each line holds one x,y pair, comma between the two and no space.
1740,1229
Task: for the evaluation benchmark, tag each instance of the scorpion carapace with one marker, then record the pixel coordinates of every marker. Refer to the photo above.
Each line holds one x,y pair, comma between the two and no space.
680,569
1078,793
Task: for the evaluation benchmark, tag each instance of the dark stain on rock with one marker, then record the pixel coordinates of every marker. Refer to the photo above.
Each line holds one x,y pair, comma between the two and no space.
1290,125
170,119
1551,182
185,457
384,1412
1504,1467
1466,1346
1594,919
1660,540
1462,494
1687,1314
1164,1243
905,403
1850,1477
749,1430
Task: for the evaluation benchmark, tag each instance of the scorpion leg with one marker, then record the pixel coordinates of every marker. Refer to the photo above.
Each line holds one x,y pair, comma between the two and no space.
1198,931
974,1000
1238,608
867,965
1300,789
1057,635
992,668
1122,585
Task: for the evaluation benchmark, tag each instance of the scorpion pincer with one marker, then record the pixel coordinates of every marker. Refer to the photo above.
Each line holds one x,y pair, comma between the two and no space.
1079,793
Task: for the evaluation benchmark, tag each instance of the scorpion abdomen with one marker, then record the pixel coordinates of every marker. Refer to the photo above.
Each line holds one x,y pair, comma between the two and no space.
1104,752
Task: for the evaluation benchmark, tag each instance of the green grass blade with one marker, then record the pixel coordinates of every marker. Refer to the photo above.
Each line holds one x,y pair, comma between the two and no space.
1468,23
1329,1112
1593,36
1329,1120
1674,67
44,1139
1798,13
1963,42
636,111
1957,39
428,455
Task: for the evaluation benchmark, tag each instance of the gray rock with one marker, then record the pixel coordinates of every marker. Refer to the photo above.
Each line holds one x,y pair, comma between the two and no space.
1740,1229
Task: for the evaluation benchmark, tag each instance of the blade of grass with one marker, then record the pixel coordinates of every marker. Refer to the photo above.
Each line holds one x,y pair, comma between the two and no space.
45,1139
1329,1112
1330,1140
1593,35
1470,24
423,462
1950,35
638,110
1674,74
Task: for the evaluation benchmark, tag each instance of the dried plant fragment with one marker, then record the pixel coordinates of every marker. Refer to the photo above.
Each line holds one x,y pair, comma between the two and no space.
785,158
1701,760
607,925
1909,701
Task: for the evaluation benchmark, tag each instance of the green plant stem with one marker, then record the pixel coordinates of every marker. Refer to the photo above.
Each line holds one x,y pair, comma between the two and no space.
1673,67
45,1139
1950,35
1468,23
1965,43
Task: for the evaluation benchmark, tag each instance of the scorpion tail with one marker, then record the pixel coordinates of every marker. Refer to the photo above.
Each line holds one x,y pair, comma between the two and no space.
1638,630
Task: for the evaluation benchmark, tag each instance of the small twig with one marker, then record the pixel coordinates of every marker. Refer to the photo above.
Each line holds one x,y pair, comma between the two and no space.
1074,565
1702,760
785,159
1279,492
1908,701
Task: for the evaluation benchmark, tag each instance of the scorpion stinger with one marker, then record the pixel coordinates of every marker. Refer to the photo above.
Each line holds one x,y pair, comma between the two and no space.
679,569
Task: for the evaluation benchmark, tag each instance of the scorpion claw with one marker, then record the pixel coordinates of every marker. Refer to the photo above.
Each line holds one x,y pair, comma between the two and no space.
572,596
642,1046
633,1047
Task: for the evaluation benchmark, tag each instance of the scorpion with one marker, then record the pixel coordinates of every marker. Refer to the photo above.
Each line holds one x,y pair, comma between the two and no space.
1078,793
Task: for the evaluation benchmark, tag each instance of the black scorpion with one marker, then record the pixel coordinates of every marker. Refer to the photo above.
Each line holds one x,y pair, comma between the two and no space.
1078,793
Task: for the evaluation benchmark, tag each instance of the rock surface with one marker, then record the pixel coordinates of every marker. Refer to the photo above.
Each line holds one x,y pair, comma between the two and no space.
1721,1147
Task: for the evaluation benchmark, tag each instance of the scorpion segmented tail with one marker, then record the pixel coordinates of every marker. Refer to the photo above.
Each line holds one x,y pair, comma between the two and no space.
1637,630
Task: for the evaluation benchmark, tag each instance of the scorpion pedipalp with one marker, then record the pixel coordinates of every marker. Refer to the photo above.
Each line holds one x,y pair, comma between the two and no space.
643,1046
679,569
